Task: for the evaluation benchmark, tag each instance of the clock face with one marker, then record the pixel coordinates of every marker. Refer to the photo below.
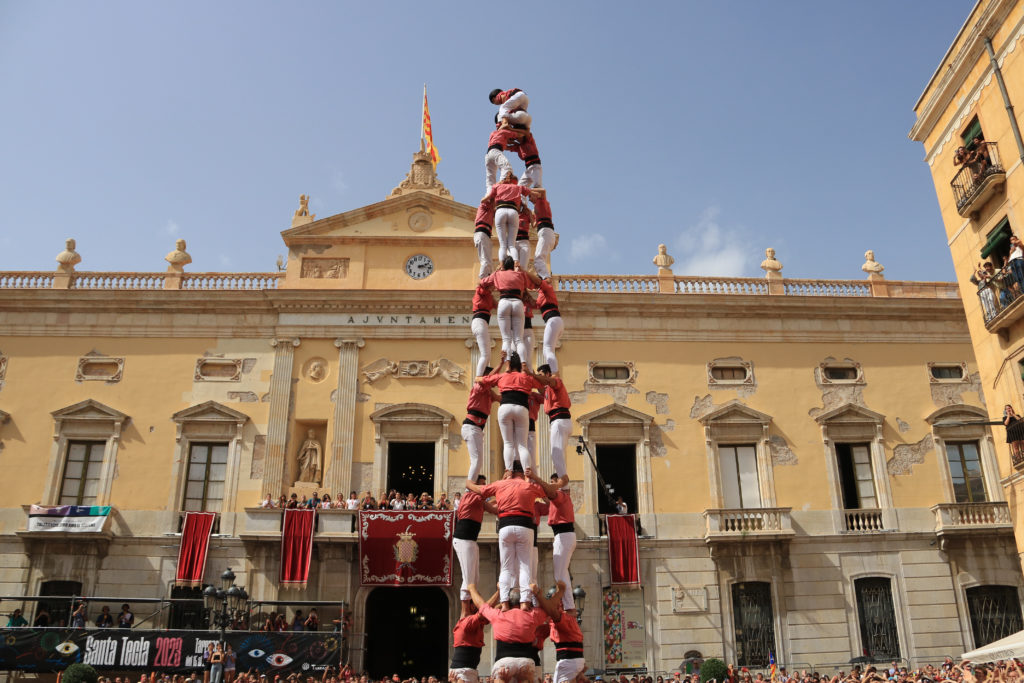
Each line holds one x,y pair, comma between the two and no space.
419,266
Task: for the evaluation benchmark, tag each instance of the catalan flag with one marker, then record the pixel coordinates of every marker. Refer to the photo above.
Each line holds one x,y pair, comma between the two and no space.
427,132
771,664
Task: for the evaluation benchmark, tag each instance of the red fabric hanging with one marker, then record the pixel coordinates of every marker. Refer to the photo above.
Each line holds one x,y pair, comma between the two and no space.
622,550
195,542
296,547
405,548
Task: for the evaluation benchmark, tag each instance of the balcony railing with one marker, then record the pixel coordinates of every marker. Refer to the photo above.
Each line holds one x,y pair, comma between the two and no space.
746,523
1001,293
975,182
863,521
215,529
971,516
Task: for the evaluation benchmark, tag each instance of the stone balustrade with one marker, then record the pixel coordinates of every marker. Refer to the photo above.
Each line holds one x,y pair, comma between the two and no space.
863,521
744,523
607,283
138,280
28,279
721,285
971,516
112,280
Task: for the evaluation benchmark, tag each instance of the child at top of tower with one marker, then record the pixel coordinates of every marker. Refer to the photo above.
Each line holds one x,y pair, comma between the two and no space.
512,106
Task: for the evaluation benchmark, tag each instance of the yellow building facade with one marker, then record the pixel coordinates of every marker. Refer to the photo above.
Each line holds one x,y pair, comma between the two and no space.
969,105
806,457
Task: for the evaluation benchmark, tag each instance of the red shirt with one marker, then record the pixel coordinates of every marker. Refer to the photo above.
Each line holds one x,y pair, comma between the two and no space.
525,219
509,193
514,625
482,299
540,509
471,507
507,280
480,400
566,630
485,215
542,208
560,510
469,631
546,298
511,381
514,497
504,138
556,397
536,400
541,633
528,151
502,97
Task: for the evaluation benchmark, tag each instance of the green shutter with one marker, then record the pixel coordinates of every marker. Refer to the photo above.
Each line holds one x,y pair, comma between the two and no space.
973,131
997,238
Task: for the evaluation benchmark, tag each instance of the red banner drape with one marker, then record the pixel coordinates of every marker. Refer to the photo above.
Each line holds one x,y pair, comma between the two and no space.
195,542
622,550
296,547
405,548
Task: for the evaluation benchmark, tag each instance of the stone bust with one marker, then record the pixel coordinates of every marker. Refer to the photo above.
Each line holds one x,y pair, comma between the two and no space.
871,266
663,261
178,258
770,264
69,258
310,459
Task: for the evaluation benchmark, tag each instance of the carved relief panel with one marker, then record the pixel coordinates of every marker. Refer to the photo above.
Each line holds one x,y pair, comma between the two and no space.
324,268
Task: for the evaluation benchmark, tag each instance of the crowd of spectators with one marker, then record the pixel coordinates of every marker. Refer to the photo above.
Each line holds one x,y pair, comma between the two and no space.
974,156
1000,286
390,500
79,618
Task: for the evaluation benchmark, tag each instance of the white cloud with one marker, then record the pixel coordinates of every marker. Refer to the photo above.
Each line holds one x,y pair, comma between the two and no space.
708,248
589,247
172,228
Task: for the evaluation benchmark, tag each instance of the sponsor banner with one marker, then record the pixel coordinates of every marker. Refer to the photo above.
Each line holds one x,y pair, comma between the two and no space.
405,548
47,650
73,518
625,644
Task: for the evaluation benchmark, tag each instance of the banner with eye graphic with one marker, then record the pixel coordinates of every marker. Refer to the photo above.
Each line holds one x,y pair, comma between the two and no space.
53,649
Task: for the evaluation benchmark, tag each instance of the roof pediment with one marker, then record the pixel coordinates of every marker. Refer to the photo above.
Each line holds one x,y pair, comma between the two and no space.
210,411
957,413
89,409
411,412
414,214
850,413
735,411
616,414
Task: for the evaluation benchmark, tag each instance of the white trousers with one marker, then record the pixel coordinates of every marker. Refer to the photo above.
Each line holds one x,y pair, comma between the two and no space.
514,544
496,165
474,438
552,333
522,252
531,444
527,358
506,224
510,324
514,670
463,675
531,176
514,422
517,102
481,333
468,553
534,561
483,251
560,432
561,554
566,670
545,243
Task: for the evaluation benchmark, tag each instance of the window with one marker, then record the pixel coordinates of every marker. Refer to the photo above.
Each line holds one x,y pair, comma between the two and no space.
207,467
947,371
965,471
610,372
82,473
971,133
740,486
997,244
59,609
995,613
755,623
616,463
411,467
838,373
878,633
187,615
855,476
729,373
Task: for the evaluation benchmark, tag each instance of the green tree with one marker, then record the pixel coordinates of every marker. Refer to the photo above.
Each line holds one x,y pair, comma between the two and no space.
713,668
79,673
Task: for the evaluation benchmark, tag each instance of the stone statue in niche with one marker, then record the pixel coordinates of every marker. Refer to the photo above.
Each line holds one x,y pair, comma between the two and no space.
317,370
310,459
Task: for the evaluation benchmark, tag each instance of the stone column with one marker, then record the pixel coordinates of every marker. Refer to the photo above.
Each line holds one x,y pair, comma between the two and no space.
485,456
544,465
339,470
280,409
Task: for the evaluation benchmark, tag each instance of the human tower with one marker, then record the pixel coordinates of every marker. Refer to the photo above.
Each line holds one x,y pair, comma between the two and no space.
521,618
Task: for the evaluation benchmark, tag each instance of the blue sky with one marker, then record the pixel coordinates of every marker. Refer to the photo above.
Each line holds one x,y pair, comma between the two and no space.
718,128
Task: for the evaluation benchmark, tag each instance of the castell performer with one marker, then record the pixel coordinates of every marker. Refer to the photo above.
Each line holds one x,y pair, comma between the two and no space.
547,301
546,238
468,519
468,642
512,106
562,520
511,284
527,151
556,405
496,164
482,236
529,304
478,409
565,634
483,304
513,631
508,199
522,243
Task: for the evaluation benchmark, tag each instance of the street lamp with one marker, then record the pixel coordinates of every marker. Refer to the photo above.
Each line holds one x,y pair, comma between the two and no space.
579,596
229,598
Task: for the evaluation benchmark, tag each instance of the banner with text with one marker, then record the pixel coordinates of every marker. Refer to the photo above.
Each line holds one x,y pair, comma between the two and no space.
72,518
625,644
54,649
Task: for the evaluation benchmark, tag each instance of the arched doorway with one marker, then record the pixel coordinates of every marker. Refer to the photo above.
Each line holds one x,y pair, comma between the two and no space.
407,632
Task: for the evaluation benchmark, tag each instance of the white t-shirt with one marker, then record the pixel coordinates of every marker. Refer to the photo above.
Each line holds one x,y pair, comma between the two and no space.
1016,252
267,504
352,504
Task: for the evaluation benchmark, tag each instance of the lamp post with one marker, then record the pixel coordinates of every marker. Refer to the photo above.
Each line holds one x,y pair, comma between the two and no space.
579,596
230,598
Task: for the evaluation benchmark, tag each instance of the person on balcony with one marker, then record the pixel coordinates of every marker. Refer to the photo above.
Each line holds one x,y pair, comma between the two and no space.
1015,264
986,289
1014,433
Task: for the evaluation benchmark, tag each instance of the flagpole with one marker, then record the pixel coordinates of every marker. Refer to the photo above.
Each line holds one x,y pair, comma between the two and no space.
423,111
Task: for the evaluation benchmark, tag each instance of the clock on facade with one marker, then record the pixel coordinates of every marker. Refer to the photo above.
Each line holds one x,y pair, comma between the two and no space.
419,266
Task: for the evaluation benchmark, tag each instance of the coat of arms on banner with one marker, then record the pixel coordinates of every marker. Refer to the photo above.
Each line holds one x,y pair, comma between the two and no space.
405,548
